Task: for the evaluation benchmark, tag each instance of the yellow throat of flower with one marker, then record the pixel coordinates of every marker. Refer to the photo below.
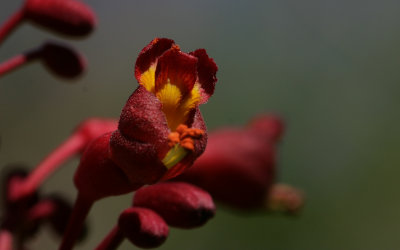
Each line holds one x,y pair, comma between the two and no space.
176,109
175,106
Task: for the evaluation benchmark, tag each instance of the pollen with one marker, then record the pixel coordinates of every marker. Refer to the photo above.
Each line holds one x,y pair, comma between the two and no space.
181,142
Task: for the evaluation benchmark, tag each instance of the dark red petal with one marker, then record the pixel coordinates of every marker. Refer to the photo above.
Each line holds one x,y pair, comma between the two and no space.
143,227
62,60
206,70
143,120
150,54
180,204
139,161
177,67
238,168
97,176
70,17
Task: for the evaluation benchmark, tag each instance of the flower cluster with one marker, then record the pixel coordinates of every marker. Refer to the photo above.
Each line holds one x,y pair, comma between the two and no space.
149,150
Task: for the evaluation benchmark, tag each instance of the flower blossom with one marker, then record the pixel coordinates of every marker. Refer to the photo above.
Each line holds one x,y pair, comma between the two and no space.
161,130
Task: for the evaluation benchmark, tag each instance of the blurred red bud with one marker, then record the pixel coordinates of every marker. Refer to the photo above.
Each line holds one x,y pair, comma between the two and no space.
143,227
68,17
62,60
180,204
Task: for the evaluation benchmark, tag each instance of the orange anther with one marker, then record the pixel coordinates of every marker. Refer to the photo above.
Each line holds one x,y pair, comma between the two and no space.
188,144
181,128
173,138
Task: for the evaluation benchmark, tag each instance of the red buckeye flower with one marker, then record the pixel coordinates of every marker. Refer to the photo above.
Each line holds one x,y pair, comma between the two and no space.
160,132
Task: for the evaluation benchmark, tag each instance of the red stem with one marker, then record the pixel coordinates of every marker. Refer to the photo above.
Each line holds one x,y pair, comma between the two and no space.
76,221
71,146
13,63
6,240
10,24
112,241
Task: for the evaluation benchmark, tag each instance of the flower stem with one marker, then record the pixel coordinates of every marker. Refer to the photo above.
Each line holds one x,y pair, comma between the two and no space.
12,64
113,239
76,221
10,24
68,148
6,240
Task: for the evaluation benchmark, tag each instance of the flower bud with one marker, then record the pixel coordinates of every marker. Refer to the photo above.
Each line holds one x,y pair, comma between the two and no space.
71,17
143,227
62,60
180,204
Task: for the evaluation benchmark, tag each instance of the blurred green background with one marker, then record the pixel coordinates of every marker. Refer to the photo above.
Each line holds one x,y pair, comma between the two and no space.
330,68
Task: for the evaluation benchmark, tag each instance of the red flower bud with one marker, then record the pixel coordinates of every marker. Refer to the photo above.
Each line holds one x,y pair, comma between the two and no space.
180,204
143,227
62,60
70,17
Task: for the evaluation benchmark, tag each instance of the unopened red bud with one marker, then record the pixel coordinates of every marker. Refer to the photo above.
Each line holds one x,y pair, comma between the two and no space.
180,204
271,126
70,17
143,227
62,60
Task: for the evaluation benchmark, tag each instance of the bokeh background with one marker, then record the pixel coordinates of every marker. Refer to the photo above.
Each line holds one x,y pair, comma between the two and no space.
330,68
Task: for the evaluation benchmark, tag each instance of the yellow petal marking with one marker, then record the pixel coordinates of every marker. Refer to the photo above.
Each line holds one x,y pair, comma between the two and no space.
147,79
